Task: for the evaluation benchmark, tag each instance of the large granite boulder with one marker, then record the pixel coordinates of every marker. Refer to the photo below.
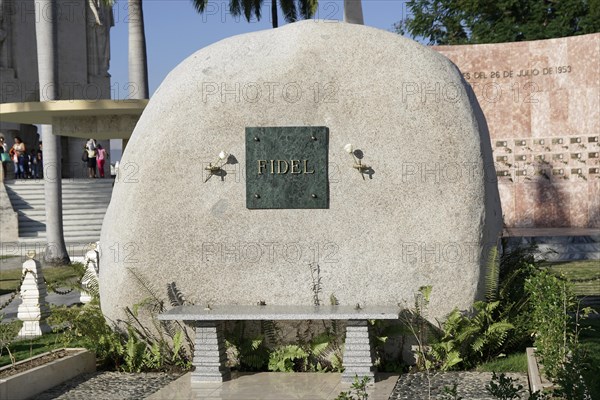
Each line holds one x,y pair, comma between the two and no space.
427,212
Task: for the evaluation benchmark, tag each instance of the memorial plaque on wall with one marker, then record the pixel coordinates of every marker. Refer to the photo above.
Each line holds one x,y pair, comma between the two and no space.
286,167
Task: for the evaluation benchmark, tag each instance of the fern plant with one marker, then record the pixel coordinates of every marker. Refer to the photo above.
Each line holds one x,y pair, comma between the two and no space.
381,333
271,332
130,345
254,355
467,340
492,275
134,354
287,358
516,267
252,352
162,332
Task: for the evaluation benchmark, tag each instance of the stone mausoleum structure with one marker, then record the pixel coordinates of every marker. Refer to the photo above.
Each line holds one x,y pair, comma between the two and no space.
306,155
541,100
84,54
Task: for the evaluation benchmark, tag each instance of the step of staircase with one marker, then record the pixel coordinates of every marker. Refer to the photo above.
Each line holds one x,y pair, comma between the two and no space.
84,205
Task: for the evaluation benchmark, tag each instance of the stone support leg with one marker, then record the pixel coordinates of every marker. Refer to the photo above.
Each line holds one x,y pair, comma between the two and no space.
358,360
209,353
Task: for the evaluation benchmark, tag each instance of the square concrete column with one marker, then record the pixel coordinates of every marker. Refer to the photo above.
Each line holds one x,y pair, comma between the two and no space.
358,358
209,353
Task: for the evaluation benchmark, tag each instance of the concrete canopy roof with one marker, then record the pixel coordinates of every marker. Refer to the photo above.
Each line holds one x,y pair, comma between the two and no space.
101,119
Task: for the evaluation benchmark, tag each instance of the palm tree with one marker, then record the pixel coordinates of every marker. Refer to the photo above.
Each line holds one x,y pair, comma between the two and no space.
353,12
291,9
137,56
46,32
138,60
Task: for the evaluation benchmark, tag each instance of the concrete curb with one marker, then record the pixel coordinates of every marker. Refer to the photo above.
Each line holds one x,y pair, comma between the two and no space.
34,381
537,383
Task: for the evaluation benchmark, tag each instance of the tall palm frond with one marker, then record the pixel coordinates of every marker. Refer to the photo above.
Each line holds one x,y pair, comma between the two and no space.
291,9
308,8
288,7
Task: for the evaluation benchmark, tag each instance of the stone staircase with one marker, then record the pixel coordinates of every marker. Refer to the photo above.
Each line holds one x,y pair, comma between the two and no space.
84,205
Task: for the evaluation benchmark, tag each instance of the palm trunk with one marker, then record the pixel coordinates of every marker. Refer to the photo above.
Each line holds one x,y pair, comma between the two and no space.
46,31
353,12
274,13
138,63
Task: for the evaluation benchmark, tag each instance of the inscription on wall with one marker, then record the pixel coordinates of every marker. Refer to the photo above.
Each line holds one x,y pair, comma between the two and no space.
287,167
518,73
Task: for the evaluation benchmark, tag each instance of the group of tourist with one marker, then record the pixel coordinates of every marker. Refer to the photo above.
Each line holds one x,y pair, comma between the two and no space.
27,165
95,156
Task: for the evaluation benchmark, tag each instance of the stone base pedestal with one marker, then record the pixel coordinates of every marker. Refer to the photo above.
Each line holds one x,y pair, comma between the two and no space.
209,354
33,329
85,297
358,358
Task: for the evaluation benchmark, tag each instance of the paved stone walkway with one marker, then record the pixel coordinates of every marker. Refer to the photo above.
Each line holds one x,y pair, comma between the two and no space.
470,385
125,386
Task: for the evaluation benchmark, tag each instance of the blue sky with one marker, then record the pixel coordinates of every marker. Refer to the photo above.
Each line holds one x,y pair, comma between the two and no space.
174,31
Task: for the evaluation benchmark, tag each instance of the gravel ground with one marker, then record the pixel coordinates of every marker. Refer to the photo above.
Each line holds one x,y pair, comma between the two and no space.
470,385
109,386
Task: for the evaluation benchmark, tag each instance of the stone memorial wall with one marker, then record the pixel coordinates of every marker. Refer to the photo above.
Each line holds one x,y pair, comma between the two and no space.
541,100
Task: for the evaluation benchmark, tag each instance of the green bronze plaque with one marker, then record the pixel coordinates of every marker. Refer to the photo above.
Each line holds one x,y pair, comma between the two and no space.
286,167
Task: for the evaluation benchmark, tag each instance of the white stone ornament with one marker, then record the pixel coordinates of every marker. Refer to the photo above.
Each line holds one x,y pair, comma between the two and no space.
34,309
91,262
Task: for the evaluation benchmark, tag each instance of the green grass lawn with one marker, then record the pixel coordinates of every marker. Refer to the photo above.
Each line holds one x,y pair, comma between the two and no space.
9,280
590,341
587,270
512,363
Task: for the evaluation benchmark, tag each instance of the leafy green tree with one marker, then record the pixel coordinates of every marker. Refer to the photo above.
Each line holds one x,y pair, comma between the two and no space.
442,22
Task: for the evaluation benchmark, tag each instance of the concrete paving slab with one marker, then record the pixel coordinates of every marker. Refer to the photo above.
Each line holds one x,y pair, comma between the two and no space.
272,385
